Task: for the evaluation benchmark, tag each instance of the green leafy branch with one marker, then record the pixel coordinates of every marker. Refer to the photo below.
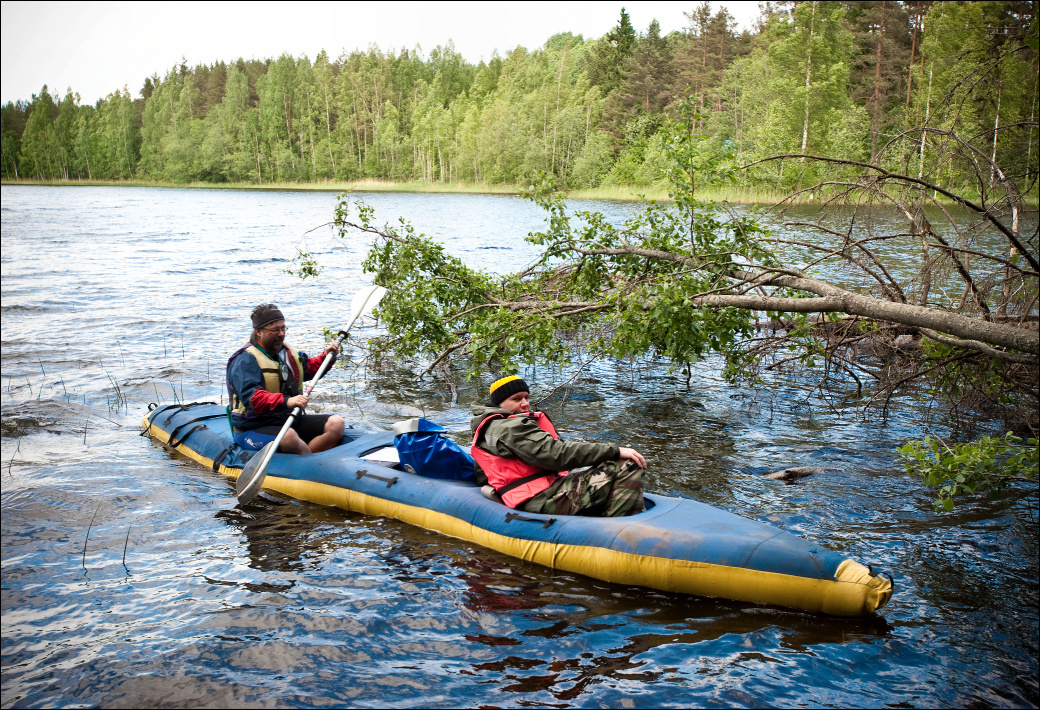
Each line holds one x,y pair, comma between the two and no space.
304,265
986,464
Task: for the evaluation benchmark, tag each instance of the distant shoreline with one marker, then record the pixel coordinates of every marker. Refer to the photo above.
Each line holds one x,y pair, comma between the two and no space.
622,193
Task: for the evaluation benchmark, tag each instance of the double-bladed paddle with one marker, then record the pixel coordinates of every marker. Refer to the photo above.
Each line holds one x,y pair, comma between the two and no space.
254,473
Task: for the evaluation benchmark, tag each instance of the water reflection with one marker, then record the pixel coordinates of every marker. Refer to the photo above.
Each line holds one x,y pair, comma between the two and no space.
497,588
298,605
558,634
276,541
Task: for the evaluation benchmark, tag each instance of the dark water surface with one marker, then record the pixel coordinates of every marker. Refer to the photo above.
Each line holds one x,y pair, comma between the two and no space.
130,578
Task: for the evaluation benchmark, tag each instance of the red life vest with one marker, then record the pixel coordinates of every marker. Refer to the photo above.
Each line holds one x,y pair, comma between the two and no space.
514,479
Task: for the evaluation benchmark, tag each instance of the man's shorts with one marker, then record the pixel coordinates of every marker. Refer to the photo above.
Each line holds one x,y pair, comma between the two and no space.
307,426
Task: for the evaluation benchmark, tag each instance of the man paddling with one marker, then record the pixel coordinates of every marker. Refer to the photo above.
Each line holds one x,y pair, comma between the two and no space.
524,460
264,379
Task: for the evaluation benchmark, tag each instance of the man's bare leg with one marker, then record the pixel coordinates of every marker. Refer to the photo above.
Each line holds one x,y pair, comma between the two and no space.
332,435
293,444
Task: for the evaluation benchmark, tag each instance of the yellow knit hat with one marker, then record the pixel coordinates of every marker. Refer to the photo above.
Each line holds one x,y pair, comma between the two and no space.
506,386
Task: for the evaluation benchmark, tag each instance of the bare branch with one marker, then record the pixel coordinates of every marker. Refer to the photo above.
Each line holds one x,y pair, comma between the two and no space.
991,257
892,288
444,354
569,380
1011,236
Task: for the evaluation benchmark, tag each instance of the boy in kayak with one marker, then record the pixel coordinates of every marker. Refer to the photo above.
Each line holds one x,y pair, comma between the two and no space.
263,381
524,460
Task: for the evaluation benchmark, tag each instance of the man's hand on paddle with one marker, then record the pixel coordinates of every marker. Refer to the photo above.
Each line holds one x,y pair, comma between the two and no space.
632,455
301,400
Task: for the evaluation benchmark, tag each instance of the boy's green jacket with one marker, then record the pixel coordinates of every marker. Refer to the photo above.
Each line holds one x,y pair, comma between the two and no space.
521,437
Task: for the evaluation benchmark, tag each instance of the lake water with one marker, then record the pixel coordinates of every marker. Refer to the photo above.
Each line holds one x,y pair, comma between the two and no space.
130,577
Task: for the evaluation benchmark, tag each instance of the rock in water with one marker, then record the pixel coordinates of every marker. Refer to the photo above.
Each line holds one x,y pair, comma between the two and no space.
790,474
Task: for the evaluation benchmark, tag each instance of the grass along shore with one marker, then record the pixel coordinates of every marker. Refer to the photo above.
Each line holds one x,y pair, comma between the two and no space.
734,194
623,192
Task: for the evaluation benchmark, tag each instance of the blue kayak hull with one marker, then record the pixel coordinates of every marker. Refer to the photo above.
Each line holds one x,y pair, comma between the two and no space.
676,545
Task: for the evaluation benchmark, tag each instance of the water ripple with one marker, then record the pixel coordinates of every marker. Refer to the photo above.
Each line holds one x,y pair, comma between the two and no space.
131,579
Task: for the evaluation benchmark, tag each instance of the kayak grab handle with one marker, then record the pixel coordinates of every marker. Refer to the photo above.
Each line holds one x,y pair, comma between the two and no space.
517,516
388,481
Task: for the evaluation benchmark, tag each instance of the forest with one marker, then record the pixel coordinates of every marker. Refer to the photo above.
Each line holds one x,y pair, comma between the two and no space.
838,79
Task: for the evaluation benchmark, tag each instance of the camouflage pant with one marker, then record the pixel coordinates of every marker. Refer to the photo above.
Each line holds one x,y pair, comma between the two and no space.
608,489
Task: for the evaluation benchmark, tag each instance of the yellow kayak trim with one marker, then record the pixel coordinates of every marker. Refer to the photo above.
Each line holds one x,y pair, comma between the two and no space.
852,592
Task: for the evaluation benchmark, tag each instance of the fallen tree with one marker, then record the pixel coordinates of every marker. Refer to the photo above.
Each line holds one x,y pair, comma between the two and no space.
952,300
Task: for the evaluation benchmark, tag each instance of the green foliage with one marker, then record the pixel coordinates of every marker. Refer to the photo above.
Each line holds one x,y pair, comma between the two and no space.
987,464
304,266
673,282
593,162
978,74
695,159
642,161
611,53
581,298
648,303
833,79
795,94
433,292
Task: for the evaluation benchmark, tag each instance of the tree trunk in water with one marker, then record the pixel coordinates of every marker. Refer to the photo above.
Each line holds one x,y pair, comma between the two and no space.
833,299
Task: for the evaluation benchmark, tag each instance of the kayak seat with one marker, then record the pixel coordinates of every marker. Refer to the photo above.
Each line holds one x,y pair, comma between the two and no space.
385,456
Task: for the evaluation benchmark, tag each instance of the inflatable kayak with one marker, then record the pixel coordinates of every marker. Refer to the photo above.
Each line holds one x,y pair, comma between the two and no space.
676,545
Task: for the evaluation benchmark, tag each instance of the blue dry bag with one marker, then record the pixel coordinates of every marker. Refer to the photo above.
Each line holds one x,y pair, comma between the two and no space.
424,451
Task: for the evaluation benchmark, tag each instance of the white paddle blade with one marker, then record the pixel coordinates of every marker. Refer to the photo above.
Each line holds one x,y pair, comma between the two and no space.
364,301
252,477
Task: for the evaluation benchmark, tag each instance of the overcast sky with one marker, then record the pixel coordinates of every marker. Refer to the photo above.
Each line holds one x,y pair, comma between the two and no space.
98,47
